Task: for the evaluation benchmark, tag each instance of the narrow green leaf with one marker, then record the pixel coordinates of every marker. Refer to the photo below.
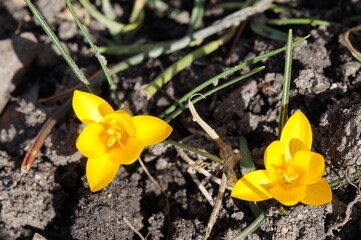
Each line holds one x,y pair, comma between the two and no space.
97,55
246,162
286,83
224,74
310,21
216,89
78,73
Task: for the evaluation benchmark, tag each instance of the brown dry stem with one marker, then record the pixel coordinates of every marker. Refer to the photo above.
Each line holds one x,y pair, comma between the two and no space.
230,160
162,191
125,219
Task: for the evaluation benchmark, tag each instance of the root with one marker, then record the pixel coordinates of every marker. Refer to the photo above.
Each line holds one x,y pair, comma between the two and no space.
348,212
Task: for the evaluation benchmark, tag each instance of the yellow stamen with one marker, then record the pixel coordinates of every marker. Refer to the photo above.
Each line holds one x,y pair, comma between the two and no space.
289,175
111,140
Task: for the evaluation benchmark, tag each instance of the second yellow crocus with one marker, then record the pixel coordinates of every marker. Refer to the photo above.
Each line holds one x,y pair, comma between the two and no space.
293,172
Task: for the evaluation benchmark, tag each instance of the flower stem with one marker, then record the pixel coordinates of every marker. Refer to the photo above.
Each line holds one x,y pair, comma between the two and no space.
251,228
345,180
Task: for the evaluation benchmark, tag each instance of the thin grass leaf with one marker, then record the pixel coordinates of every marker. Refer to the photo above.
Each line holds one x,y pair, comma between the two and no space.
279,9
137,10
131,49
246,162
196,15
78,73
311,21
164,8
230,20
113,26
251,228
184,62
345,180
138,48
260,28
286,83
216,89
224,74
110,14
97,55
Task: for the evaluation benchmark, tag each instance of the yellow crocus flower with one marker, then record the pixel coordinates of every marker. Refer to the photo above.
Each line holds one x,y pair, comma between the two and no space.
293,172
111,138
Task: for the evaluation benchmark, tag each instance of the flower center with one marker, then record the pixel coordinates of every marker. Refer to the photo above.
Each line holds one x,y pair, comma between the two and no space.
288,174
114,132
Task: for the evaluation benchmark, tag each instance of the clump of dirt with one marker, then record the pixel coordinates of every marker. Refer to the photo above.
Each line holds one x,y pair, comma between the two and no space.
104,214
27,200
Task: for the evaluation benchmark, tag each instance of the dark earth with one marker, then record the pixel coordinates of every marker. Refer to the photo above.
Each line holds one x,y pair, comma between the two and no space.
52,200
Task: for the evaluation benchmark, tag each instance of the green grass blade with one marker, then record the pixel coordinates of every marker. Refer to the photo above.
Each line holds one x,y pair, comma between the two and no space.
115,27
164,8
230,20
216,89
224,74
184,62
97,55
196,15
131,49
286,83
251,228
110,14
345,180
246,162
311,21
78,73
280,9
258,27
137,10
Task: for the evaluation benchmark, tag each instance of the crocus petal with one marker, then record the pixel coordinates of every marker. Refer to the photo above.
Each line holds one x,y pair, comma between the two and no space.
128,153
288,196
317,194
91,141
100,172
254,186
274,158
89,107
297,133
151,130
311,165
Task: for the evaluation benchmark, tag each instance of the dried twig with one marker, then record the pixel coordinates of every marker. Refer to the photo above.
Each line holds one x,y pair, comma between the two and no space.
190,170
200,169
230,160
217,206
162,191
345,38
42,135
125,219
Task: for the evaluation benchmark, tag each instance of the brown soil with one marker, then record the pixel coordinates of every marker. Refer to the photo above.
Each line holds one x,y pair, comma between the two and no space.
53,199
